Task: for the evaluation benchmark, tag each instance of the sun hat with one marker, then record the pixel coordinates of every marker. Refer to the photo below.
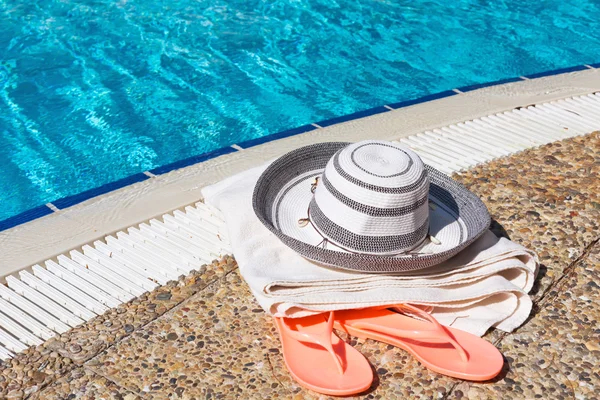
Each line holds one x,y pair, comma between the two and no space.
371,206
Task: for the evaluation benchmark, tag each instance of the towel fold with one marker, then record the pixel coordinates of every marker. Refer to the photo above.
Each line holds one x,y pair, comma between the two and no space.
483,286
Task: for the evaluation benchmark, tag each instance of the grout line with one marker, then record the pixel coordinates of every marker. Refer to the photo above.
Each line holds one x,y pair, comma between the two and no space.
235,146
149,174
388,107
131,390
457,91
450,391
268,357
540,303
127,336
566,272
84,364
317,126
52,207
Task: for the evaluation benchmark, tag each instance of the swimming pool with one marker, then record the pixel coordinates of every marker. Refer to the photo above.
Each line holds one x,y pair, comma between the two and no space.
94,91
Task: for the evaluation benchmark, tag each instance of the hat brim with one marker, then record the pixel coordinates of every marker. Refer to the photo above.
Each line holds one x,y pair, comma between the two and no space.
282,195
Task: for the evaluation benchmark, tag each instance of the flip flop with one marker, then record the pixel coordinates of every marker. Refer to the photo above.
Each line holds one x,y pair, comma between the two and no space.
319,360
442,349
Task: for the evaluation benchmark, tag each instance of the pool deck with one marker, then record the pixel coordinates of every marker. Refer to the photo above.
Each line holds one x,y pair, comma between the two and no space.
204,336
46,237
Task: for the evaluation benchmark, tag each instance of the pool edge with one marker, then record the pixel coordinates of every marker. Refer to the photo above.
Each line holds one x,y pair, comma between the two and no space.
163,171
89,194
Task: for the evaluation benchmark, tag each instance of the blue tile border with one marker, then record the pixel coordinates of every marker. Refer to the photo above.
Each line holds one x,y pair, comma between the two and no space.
350,117
557,72
423,99
470,88
192,160
88,194
279,135
69,201
24,217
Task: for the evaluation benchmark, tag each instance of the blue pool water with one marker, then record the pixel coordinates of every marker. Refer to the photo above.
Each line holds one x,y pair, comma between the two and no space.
94,91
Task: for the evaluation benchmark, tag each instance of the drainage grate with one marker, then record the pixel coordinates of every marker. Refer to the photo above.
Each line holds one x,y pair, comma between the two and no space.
53,298
460,146
62,294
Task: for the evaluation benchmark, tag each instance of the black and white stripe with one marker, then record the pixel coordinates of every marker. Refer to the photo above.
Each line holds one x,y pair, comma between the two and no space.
365,243
373,199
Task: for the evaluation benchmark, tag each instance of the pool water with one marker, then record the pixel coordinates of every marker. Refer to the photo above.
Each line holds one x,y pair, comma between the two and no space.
94,91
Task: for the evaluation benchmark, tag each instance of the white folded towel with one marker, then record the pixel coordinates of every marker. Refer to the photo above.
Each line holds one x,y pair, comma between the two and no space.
485,285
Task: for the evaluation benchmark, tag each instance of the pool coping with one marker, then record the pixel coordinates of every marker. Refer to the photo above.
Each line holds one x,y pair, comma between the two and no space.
78,219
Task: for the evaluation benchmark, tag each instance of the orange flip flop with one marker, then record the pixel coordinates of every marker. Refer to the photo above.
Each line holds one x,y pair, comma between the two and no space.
319,360
442,349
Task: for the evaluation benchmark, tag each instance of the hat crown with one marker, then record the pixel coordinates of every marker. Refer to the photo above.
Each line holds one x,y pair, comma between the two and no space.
373,198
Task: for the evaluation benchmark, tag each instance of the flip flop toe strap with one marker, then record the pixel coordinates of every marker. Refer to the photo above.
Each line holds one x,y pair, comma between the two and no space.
323,339
438,333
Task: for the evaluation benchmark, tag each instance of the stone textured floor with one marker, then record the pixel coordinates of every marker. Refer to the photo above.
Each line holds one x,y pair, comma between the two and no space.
557,354
206,337
547,199
42,365
82,383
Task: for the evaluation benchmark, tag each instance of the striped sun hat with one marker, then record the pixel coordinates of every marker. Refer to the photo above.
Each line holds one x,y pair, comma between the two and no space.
371,206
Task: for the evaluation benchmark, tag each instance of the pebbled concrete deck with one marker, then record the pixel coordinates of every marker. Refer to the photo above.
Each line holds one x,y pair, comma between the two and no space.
205,336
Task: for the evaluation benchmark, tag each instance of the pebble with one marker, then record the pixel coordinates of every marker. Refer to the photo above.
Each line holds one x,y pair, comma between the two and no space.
75,348
164,296
533,213
15,394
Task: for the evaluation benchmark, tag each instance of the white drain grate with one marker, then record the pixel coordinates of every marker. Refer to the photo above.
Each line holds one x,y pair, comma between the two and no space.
461,146
63,294
85,283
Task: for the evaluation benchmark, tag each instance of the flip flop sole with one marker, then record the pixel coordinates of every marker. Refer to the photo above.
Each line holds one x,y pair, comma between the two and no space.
313,367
